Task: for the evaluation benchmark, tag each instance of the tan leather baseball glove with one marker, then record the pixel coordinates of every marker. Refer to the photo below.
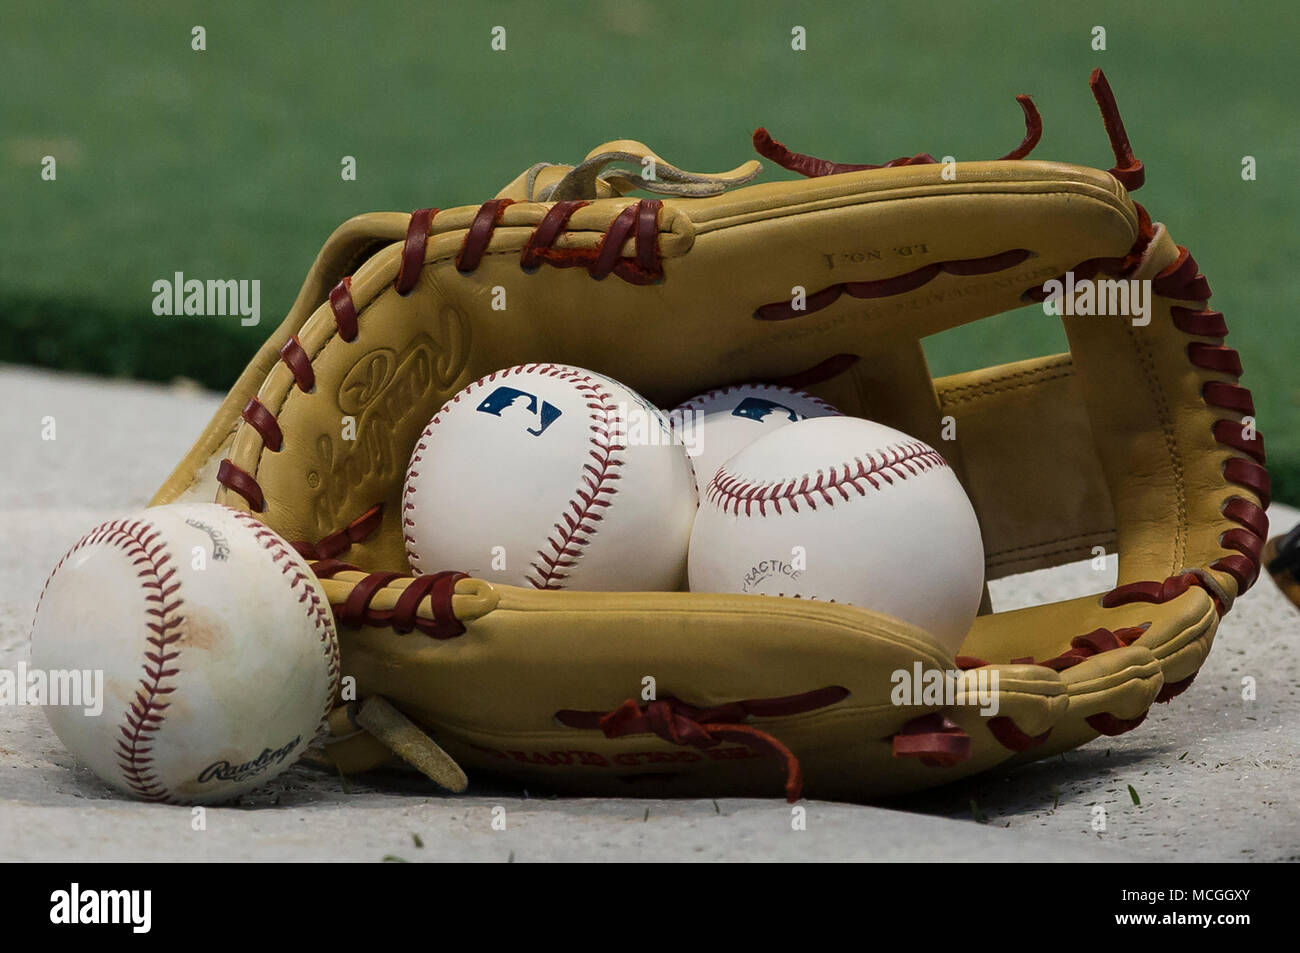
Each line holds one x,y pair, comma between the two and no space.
1134,441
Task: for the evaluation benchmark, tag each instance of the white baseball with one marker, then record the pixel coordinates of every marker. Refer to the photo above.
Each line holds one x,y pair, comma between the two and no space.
846,510
216,644
553,477
717,425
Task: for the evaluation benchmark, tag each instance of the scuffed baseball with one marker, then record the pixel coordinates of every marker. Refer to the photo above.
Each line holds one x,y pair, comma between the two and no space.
216,645
551,477
844,510
716,425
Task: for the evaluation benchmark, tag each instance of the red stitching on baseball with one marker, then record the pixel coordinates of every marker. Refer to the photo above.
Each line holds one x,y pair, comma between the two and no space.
898,461
574,531
145,713
409,491
695,402
593,494
302,583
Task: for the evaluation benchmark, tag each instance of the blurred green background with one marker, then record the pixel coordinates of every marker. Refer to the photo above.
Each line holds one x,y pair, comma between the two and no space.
225,163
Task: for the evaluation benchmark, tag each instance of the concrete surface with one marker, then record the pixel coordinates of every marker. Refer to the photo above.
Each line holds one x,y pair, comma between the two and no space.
1216,776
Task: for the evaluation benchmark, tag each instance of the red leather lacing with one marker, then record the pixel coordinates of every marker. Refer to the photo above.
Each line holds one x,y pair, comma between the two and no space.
812,167
638,222
1089,269
1085,646
819,373
1094,643
344,309
538,248
1008,734
417,239
935,740
822,371
240,481
357,610
480,234
295,358
1183,281
264,422
939,743
1104,723
1099,640
339,542
1127,169
887,287
680,723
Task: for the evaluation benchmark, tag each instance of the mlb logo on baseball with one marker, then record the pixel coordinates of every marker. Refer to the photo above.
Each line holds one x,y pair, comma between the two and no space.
756,408
510,401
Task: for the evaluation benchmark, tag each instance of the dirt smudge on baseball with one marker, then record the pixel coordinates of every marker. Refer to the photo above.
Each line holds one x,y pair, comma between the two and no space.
201,630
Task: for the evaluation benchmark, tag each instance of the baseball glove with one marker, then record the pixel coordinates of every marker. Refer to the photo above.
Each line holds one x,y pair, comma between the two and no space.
1282,557
1139,440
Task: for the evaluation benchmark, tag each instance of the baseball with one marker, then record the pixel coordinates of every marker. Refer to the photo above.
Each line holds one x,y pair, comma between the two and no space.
215,645
553,477
846,510
717,425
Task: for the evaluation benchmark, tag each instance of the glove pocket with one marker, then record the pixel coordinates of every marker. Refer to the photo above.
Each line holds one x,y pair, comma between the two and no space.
654,692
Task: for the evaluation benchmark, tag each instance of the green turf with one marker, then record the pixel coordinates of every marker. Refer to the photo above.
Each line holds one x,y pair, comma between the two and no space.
225,163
